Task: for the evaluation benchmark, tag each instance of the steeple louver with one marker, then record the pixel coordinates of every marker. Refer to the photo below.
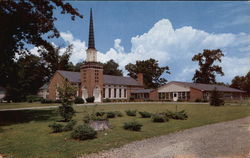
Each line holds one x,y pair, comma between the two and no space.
91,32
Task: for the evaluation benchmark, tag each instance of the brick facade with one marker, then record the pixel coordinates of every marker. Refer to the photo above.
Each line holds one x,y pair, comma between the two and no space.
56,81
195,94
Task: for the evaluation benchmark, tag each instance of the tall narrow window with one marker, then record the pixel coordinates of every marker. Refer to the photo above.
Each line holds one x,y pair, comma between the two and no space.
109,92
120,93
114,92
125,93
103,93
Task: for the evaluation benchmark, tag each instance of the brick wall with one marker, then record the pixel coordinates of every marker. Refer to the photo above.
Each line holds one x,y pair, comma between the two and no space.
57,79
195,94
154,95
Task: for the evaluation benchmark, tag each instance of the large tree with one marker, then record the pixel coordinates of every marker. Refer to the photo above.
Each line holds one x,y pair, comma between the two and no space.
242,82
111,68
24,23
151,71
207,70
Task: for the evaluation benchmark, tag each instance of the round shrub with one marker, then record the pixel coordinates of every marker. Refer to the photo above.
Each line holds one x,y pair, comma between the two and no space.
78,100
159,118
145,114
83,132
69,126
118,114
133,126
131,112
90,99
56,127
110,114
100,113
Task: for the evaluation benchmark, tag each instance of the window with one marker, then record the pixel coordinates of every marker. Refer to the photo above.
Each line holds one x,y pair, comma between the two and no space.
120,93
109,92
114,92
125,93
175,94
103,93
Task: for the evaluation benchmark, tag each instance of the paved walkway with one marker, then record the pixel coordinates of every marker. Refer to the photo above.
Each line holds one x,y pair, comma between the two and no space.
91,104
222,140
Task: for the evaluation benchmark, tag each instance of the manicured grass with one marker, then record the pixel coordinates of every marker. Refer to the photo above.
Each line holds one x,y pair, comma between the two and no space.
23,105
26,134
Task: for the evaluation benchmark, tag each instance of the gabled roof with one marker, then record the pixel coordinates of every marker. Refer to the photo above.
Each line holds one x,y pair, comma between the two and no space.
143,91
107,79
207,87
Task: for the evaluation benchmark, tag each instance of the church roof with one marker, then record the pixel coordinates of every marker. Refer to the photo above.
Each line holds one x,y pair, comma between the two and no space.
207,87
107,79
91,43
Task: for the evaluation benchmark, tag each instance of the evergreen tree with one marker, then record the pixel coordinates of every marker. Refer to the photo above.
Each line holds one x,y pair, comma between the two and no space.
216,98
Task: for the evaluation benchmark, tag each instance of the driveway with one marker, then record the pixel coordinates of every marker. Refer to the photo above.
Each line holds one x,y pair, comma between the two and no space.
221,140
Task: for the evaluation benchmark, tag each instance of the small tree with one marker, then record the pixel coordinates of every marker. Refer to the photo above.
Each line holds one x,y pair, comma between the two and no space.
66,94
216,98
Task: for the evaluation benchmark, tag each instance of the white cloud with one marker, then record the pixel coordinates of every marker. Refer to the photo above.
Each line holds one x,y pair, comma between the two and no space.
175,48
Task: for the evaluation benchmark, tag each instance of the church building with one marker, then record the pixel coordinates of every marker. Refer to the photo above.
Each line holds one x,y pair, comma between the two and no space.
91,81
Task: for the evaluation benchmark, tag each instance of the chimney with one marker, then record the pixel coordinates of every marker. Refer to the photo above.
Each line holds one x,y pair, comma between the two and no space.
140,78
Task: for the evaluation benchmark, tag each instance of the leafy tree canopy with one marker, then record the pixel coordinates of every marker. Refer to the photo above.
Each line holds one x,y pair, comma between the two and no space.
111,68
27,22
151,72
242,82
207,70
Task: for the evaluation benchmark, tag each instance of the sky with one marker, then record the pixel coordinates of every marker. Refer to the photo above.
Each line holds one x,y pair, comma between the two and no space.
170,32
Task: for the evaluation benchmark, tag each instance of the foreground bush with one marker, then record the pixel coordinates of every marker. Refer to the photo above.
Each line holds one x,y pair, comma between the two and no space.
83,132
67,112
78,100
90,99
131,112
145,114
179,115
133,126
56,127
69,126
118,114
100,113
159,118
94,117
111,114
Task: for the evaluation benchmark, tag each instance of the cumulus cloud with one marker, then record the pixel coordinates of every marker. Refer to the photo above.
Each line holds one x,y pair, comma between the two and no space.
175,48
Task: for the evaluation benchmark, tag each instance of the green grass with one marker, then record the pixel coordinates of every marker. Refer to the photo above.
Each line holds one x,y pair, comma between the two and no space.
26,134
24,105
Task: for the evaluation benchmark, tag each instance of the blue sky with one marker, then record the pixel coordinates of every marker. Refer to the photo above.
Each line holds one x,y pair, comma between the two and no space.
171,32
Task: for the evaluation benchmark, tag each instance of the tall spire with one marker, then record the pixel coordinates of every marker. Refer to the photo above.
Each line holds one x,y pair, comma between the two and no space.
91,32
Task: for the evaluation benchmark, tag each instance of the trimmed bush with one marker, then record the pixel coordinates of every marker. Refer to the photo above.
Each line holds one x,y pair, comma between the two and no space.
93,117
145,114
159,118
180,115
83,132
133,126
98,113
69,126
67,112
78,100
56,127
131,112
118,114
33,98
107,100
90,99
57,101
110,114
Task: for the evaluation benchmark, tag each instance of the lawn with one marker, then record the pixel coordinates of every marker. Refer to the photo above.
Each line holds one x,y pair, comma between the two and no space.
24,105
26,134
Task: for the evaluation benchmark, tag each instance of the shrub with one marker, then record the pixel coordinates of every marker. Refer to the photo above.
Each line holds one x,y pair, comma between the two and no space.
56,127
67,112
57,101
118,114
110,114
90,99
131,99
215,99
33,98
159,117
93,117
181,115
131,112
69,126
197,100
133,126
83,132
78,100
46,101
100,113
107,100
145,114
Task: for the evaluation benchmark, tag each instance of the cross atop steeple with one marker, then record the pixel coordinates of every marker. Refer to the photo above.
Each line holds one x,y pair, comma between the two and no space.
91,32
